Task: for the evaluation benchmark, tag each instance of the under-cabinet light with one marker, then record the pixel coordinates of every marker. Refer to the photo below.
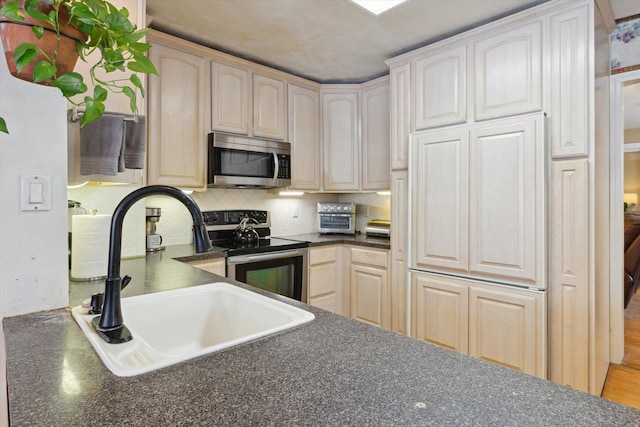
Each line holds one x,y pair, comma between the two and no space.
291,193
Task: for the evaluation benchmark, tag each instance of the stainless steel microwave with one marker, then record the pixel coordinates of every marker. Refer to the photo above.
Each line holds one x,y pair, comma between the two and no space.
245,162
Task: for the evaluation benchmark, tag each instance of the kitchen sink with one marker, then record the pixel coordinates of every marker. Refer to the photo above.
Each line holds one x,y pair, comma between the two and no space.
173,326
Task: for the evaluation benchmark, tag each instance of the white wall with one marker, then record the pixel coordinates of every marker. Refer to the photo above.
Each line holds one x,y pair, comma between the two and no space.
33,245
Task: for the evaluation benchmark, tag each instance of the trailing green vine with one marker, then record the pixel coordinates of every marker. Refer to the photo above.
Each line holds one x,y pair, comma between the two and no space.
108,32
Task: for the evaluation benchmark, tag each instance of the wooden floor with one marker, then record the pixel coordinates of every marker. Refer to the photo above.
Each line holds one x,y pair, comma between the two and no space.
623,381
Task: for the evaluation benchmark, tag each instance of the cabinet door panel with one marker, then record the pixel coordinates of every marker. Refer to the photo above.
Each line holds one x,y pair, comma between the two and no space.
439,199
399,242
569,274
507,328
400,92
269,107
231,98
569,104
441,89
304,136
375,139
440,311
369,295
177,111
507,199
508,72
341,141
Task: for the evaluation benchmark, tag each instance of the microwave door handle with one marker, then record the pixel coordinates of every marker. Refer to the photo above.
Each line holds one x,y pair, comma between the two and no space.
277,168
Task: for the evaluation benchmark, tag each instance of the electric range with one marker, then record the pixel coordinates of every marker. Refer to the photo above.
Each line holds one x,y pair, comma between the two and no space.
271,263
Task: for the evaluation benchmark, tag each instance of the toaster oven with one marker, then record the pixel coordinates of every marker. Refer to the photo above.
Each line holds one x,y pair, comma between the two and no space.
338,218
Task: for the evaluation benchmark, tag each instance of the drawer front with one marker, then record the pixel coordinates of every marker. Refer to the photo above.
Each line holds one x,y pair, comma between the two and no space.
323,255
370,257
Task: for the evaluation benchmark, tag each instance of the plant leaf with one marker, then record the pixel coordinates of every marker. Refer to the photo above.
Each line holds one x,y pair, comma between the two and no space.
82,12
142,64
119,23
38,16
3,126
11,11
44,70
93,110
100,93
70,84
24,54
38,31
132,98
137,83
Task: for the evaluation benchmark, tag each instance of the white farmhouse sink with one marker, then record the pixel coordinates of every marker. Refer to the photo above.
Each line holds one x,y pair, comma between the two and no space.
172,326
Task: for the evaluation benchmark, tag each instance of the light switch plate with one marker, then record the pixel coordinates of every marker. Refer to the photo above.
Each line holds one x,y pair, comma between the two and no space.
35,193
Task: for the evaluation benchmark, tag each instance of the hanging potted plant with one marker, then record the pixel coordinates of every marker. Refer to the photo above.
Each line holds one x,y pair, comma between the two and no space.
60,31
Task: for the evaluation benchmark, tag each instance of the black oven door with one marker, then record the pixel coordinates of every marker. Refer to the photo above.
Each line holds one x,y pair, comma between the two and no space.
283,272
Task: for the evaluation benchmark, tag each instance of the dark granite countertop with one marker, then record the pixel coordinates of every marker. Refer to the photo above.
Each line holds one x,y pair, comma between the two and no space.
316,239
332,371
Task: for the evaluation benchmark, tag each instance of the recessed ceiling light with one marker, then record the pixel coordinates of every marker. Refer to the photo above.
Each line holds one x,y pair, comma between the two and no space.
377,7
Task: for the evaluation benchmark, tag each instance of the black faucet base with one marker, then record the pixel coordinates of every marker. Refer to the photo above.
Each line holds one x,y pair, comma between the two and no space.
112,336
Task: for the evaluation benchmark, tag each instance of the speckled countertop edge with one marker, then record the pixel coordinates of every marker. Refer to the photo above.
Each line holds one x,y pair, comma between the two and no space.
332,371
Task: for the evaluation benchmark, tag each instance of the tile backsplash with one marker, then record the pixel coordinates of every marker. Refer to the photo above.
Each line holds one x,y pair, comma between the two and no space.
289,215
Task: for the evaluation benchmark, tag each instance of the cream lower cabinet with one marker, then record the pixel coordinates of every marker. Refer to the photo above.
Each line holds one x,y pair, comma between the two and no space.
495,323
215,266
325,278
369,285
399,246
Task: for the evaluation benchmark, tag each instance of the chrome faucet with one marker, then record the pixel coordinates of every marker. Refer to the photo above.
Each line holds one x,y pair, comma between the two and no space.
110,325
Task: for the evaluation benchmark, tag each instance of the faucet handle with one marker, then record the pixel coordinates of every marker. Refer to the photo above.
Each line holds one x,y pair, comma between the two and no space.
96,303
125,282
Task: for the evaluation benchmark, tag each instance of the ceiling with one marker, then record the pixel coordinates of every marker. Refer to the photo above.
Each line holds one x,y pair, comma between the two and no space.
330,41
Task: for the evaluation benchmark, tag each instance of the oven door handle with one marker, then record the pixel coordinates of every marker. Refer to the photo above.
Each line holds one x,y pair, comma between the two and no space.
242,259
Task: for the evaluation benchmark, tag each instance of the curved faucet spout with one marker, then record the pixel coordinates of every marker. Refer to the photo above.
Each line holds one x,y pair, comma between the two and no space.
110,325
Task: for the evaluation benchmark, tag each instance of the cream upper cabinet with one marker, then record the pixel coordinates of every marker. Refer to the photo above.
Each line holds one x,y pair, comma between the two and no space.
506,199
569,106
369,283
400,111
269,107
325,284
341,140
178,111
441,88
231,98
247,103
304,136
499,324
508,72
375,136
440,199
478,200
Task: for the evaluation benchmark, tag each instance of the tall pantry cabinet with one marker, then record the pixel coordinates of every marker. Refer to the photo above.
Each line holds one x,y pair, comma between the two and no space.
503,250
